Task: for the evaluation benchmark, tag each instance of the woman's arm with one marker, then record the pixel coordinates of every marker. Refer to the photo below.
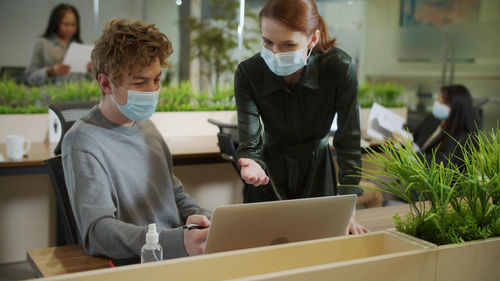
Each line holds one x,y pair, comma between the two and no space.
250,140
347,139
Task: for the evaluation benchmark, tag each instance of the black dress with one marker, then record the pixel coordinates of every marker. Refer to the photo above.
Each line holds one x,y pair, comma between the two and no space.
292,144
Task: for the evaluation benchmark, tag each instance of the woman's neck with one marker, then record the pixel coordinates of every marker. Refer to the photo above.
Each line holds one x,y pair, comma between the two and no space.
291,80
63,41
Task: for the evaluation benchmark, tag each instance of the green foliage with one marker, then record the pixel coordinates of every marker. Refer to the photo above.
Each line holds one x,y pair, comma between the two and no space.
182,98
18,98
462,201
386,94
213,40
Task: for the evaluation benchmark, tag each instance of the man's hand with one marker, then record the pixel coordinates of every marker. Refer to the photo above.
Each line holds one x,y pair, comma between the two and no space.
196,239
252,173
354,227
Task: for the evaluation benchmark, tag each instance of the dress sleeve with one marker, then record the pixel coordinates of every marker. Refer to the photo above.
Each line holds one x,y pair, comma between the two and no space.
249,126
347,139
36,72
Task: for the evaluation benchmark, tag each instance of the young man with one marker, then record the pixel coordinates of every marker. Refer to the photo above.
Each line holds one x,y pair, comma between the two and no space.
118,168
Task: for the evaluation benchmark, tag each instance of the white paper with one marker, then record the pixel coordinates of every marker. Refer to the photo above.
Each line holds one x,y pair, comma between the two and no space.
382,122
78,56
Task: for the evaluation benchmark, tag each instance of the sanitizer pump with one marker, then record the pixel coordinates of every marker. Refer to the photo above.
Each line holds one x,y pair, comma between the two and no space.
152,250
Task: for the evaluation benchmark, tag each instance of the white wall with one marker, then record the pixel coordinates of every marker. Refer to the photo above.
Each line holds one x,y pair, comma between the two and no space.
23,21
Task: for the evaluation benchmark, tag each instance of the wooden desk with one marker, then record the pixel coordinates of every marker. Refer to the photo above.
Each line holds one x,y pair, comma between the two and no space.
185,151
68,259
32,163
61,260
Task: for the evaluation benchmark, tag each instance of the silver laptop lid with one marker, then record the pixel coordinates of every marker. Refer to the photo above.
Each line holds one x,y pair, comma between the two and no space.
242,226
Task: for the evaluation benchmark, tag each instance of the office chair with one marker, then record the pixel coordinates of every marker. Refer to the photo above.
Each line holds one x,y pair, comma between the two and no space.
68,113
478,111
14,72
228,141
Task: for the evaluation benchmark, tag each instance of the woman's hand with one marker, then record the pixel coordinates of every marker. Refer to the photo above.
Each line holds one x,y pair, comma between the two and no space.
195,240
60,69
354,227
252,173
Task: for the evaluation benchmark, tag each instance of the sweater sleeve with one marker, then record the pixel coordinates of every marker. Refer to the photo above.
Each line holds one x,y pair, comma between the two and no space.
93,200
36,72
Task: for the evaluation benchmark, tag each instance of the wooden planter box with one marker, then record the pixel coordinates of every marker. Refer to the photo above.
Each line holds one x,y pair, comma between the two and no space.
472,260
373,256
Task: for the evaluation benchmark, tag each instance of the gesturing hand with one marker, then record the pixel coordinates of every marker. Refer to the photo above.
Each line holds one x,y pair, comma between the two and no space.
252,172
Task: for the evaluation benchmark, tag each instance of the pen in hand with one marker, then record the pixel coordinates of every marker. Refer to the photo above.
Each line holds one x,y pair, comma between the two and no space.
193,226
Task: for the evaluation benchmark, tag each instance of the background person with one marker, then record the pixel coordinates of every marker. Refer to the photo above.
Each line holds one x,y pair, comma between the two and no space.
49,49
296,85
451,123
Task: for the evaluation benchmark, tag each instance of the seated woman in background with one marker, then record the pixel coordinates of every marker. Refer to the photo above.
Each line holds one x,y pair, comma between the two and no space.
452,122
49,50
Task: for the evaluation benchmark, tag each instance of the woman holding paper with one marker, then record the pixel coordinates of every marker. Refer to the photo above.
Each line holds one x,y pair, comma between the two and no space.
296,85
49,50
450,124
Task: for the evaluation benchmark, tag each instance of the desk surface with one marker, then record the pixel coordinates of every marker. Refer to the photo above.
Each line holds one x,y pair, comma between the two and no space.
68,259
180,147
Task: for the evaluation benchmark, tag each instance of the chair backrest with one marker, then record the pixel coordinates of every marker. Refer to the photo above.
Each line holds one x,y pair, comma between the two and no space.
68,113
478,111
227,141
67,233
13,72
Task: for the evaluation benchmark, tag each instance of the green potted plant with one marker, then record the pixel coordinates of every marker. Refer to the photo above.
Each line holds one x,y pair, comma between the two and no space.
455,207
386,94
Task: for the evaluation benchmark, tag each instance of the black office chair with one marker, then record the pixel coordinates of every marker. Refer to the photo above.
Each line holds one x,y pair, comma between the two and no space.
478,111
14,72
68,113
228,141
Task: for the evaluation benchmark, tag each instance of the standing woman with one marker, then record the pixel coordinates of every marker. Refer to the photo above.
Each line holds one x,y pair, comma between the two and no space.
49,50
296,85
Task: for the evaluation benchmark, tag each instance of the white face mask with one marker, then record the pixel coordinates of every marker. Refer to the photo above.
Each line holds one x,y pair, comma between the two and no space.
440,111
283,64
140,105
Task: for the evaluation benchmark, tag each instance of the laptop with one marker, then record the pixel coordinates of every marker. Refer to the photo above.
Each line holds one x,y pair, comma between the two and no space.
242,226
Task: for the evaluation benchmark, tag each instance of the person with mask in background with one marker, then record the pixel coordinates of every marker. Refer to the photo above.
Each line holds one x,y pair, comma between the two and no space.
296,84
49,50
117,166
451,123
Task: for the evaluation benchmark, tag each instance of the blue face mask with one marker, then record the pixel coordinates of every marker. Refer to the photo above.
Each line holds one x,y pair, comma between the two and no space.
140,105
440,111
283,64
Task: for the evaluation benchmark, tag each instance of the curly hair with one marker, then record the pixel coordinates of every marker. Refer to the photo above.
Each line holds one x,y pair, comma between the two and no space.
126,45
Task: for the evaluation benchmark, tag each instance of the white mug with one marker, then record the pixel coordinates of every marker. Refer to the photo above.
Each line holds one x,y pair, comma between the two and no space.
15,147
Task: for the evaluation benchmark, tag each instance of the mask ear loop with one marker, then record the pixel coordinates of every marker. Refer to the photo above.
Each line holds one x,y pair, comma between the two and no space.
309,52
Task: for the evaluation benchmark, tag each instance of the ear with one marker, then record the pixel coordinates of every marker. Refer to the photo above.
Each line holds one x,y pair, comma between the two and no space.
105,83
314,39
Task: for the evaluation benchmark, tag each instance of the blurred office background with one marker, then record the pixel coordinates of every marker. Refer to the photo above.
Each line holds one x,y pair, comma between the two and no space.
418,45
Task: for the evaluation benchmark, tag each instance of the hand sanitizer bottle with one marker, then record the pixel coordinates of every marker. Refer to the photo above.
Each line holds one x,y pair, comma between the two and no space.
152,250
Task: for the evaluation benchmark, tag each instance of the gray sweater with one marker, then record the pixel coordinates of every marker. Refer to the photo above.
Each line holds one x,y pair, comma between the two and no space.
119,180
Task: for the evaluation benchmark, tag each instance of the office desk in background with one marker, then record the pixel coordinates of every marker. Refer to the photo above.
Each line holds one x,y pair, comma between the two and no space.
184,150
69,259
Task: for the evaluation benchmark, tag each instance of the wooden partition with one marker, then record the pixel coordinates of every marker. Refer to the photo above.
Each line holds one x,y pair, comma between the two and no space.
351,255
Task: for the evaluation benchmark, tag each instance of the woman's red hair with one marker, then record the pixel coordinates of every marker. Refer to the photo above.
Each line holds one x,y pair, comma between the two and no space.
299,15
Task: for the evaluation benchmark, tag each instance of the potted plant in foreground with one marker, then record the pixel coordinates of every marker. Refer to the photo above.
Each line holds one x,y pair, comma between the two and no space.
449,205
